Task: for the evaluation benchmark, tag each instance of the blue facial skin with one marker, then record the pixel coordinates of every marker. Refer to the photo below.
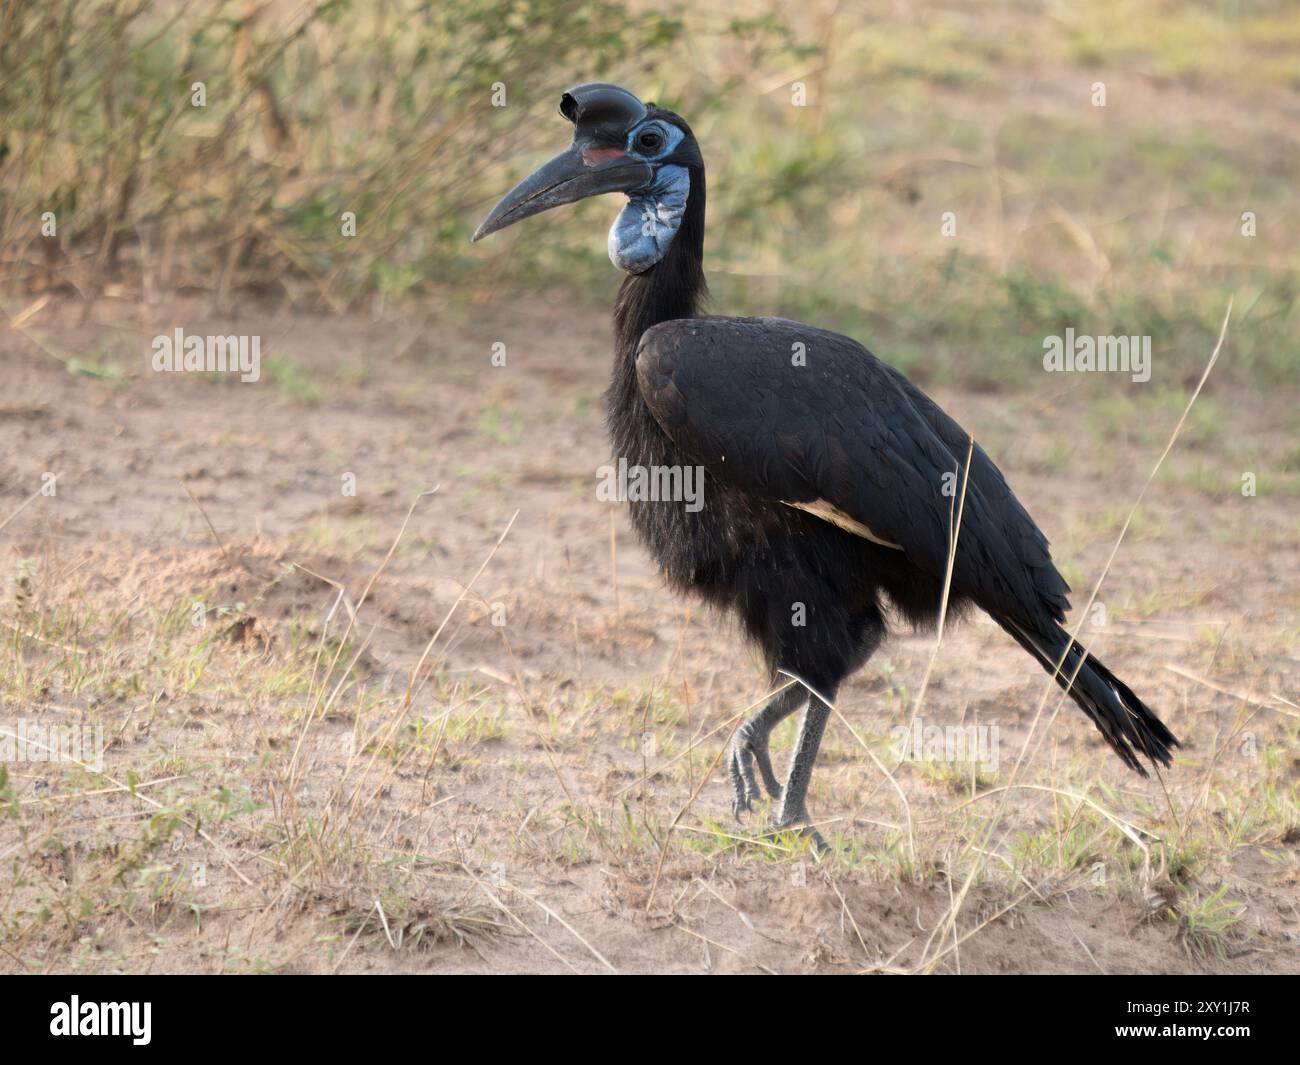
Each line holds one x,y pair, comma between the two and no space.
644,229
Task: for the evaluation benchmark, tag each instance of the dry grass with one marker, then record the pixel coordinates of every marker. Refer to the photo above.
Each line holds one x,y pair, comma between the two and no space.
548,797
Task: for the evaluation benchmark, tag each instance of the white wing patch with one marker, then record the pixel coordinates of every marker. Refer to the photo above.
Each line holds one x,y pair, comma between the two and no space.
829,512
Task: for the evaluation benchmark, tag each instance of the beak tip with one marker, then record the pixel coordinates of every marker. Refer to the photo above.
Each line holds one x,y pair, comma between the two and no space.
486,228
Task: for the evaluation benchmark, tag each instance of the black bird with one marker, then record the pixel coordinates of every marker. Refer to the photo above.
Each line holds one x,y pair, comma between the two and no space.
830,481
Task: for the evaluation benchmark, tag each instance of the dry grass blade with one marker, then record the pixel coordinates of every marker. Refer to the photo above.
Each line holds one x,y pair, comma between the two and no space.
459,599
959,504
734,721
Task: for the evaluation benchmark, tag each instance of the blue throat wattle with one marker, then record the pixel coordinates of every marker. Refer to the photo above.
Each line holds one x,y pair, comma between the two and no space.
644,229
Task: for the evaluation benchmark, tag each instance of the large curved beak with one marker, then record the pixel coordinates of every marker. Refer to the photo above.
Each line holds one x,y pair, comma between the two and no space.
576,173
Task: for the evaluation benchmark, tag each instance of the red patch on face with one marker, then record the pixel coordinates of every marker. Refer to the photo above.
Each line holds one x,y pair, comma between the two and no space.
596,156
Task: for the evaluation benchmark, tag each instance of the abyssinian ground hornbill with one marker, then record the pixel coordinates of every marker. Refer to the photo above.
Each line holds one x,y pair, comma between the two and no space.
828,483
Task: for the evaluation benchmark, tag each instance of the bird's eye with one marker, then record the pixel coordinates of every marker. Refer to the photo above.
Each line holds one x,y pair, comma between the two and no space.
649,140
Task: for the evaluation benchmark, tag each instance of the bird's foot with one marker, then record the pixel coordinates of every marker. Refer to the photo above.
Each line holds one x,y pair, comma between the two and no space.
747,748
799,821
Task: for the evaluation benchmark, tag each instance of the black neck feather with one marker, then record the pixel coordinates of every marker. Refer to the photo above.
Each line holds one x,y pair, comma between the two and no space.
673,288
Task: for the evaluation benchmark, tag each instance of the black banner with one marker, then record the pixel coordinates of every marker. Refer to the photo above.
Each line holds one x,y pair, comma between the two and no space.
213,1014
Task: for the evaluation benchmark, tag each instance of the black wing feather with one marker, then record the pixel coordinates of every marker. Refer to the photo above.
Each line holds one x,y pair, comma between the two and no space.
846,428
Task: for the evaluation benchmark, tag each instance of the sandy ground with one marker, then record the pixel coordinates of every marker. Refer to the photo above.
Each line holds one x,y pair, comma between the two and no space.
261,812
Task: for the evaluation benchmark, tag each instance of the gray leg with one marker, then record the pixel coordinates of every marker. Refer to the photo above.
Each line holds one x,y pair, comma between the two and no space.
794,809
749,745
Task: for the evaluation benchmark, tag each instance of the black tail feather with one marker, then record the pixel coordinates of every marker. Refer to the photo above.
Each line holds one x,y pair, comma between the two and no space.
1126,722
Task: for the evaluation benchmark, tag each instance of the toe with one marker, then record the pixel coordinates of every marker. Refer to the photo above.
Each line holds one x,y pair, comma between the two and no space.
741,801
802,824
